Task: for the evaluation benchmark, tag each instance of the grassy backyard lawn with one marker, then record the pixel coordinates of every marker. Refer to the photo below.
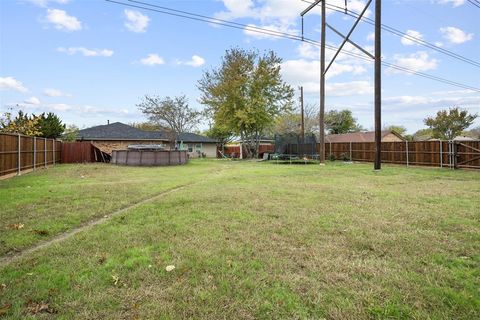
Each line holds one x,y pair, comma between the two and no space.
248,240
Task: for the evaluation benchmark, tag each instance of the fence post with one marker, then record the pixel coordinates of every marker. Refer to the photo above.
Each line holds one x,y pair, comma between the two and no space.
53,151
351,151
441,154
455,155
19,162
45,151
34,152
406,150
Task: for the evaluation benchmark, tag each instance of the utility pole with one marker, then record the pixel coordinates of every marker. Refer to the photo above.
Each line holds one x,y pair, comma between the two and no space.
302,129
378,85
322,85
323,70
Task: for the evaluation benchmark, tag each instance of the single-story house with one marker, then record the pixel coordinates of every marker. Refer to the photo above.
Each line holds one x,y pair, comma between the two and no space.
118,136
387,136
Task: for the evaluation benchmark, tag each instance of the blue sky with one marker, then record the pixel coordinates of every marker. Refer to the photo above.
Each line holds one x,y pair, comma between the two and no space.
91,61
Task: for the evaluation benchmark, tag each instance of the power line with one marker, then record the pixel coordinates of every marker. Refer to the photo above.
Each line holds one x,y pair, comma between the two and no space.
240,26
404,35
475,3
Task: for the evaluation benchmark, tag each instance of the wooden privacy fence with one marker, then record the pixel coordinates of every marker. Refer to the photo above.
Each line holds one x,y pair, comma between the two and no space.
452,154
19,153
81,152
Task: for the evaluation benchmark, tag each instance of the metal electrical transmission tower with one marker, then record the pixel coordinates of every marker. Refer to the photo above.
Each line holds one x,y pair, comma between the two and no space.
323,70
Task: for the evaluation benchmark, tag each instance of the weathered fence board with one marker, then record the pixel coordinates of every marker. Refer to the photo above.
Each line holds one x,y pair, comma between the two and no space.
19,153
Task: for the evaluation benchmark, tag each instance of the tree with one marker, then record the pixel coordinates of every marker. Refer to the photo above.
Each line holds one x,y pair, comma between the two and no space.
21,124
71,133
474,133
246,93
291,122
171,113
337,122
50,125
401,130
423,134
147,126
448,124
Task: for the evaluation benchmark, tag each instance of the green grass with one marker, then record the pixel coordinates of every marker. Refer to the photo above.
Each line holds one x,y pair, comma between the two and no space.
249,240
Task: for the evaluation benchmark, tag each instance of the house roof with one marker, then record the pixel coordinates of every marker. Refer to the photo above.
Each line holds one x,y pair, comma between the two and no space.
193,137
118,131
121,131
358,136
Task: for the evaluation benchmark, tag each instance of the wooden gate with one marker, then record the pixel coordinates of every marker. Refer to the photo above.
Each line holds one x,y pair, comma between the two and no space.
467,154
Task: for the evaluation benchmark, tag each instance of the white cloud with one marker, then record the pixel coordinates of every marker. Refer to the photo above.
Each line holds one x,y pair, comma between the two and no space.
136,21
454,3
44,3
60,107
86,52
352,88
196,61
371,36
55,93
273,30
456,35
419,61
278,15
308,51
406,41
152,60
10,83
32,100
62,21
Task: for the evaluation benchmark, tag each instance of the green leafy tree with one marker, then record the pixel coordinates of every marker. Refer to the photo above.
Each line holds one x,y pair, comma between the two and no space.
423,134
70,133
50,125
246,93
22,124
401,130
337,122
448,124
173,114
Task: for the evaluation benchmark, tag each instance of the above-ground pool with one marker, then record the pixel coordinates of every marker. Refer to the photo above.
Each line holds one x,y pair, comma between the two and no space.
147,155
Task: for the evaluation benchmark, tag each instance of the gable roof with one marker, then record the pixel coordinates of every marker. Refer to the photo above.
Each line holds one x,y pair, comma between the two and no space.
121,131
118,131
358,136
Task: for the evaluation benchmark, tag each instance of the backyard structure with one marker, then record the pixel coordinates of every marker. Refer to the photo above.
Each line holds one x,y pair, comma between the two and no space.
149,155
361,147
118,136
19,153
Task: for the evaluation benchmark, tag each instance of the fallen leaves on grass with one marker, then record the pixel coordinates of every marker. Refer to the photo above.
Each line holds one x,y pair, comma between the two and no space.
170,268
4,309
41,232
39,307
3,286
16,226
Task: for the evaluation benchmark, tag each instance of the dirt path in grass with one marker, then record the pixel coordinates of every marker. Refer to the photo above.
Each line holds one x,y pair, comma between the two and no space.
6,260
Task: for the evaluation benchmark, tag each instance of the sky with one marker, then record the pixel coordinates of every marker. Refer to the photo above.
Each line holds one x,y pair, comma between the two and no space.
92,61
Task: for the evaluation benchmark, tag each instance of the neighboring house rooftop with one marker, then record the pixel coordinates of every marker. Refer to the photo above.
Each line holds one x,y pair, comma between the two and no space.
193,137
358,136
121,131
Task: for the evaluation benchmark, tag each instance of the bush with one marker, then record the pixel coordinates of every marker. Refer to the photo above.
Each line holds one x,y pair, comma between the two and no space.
345,157
331,157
